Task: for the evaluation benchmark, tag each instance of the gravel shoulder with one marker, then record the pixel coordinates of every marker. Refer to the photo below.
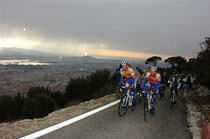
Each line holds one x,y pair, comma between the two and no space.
198,110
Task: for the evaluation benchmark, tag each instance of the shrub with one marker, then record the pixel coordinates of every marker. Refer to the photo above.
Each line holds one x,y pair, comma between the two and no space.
59,98
20,102
77,89
203,65
98,80
7,108
84,89
39,106
36,91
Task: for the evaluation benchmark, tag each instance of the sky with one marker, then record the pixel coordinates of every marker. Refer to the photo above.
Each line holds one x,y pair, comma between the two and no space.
121,28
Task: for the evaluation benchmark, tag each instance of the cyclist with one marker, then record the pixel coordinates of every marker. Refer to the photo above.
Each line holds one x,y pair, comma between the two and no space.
152,80
138,78
175,84
128,73
162,88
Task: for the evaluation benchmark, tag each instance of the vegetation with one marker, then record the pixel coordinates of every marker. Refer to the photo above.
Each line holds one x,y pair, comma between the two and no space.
178,64
153,60
202,63
198,67
40,101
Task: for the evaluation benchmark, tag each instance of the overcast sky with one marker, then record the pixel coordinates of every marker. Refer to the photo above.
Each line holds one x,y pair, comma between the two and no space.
139,28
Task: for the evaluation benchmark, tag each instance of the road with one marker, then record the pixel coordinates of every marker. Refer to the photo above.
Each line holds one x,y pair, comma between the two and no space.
166,124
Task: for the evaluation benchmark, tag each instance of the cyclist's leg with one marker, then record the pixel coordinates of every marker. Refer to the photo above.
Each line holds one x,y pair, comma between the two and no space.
171,92
135,91
128,85
122,80
132,82
176,93
126,89
146,90
154,96
138,87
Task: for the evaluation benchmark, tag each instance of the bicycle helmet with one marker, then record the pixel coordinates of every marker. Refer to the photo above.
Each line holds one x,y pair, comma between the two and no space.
124,63
153,68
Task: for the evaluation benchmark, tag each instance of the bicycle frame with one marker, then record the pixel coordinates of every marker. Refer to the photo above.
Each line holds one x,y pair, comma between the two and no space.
150,99
149,102
172,96
126,102
172,99
129,97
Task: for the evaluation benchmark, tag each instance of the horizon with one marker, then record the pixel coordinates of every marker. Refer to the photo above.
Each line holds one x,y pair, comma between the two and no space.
50,54
110,29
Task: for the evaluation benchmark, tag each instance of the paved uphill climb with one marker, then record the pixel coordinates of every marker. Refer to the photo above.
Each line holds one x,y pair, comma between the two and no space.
166,124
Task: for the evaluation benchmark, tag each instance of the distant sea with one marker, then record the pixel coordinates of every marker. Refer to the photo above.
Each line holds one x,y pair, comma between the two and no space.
22,62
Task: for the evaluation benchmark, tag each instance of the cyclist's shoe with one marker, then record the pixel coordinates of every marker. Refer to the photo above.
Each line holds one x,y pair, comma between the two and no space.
134,105
152,111
121,89
123,105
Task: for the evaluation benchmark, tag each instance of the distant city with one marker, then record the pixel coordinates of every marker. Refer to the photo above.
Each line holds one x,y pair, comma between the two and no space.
15,77
22,69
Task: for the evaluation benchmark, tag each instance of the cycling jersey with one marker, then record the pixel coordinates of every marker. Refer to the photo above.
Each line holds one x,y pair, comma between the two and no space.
130,80
151,81
128,73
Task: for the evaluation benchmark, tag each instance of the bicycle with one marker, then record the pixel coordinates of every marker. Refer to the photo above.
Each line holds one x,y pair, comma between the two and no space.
172,98
140,96
139,93
148,103
127,100
162,91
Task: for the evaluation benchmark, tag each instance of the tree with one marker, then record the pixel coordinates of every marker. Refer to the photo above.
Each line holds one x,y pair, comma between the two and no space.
39,103
36,91
20,102
191,66
39,107
202,63
153,60
83,89
99,79
7,108
77,89
59,98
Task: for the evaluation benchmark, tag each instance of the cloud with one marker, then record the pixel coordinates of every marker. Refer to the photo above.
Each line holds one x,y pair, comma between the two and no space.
138,26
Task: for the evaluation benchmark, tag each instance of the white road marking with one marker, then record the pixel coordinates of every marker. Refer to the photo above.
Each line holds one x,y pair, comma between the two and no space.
68,122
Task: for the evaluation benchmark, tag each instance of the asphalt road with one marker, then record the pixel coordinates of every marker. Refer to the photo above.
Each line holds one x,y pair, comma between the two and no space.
166,124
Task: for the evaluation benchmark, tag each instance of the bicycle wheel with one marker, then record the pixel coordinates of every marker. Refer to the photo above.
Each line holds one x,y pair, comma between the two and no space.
161,95
172,101
145,111
123,106
140,97
133,107
145,108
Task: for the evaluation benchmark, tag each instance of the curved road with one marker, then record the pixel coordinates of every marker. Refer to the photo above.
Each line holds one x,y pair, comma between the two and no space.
166,124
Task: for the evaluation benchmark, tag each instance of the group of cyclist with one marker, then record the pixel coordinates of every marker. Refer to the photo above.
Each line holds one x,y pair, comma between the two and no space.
145,81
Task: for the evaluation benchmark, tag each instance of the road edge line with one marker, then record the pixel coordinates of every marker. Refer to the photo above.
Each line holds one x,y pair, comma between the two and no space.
68,122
